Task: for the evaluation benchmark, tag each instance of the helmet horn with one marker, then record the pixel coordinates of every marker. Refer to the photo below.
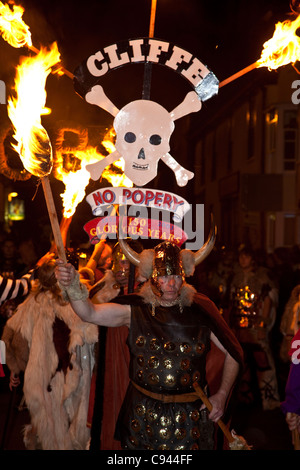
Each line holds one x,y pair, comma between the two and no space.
199,256
205,250
130,254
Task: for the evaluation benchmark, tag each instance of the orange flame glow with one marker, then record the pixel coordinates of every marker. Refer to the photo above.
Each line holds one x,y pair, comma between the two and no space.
76,180
283,48
12,27
25,111
110,174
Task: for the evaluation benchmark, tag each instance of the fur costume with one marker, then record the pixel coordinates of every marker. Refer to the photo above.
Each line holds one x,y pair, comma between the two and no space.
112,372
56,389
105,290
17,350
186,297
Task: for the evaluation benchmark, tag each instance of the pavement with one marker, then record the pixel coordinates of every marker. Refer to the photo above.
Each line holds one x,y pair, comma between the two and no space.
263,430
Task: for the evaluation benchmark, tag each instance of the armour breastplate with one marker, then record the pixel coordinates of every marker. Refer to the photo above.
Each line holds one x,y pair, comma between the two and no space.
168,350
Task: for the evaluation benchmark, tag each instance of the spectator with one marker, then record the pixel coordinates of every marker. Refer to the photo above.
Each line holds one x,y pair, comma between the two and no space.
99,262
291,404
252,316
10,265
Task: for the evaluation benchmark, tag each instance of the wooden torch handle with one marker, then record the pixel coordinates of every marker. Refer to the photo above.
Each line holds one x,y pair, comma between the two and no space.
53,218
208,405
295,434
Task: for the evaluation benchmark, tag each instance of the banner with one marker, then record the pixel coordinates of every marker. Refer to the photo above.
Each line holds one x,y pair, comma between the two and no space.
145,50
100,199
133,227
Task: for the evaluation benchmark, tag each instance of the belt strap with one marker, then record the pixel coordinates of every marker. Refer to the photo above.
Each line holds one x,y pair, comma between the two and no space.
183,397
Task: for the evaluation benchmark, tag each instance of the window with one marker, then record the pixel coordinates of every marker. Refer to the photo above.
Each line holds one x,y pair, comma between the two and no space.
199,166
289,229
202,175
272,119
289,140
230,146
271,232
251,118
213,174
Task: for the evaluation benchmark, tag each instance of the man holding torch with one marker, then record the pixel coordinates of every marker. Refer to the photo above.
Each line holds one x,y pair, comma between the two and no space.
174,336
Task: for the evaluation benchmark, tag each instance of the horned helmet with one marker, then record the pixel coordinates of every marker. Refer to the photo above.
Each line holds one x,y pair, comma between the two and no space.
118,256
168,259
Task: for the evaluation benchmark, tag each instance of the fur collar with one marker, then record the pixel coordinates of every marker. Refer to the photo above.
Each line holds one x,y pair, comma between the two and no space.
106,289
186,296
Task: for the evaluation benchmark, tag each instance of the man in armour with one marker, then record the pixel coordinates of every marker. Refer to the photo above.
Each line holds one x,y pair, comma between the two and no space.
174,335
252,317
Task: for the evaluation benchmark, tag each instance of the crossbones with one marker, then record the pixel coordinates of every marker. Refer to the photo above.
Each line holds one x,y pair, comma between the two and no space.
143,130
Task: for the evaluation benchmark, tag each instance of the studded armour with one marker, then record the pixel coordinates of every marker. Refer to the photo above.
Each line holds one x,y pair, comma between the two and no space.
168,353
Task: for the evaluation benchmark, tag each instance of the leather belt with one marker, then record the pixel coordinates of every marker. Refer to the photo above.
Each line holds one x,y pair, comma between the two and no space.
183,397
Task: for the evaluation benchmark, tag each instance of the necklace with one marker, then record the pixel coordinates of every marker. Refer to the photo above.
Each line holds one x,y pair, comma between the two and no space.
165,303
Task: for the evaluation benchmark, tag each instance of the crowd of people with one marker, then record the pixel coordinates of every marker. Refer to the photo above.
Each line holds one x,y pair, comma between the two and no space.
243,281
118,347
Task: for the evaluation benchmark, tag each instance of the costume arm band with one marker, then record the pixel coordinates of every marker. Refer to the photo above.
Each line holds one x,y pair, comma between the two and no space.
75,291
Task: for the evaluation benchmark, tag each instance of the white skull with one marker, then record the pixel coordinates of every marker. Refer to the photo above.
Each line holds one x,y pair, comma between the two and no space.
143,130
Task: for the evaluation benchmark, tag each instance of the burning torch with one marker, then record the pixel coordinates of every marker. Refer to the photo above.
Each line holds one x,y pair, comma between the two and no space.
16,32
282,48
32,141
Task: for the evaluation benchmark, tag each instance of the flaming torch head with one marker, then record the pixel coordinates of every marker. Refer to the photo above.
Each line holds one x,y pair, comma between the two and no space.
12,27
25,111
283,48
39,160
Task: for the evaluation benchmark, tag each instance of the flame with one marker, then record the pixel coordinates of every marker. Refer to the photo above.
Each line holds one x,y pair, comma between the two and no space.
25,111
115,178
12,27
76,180
283,48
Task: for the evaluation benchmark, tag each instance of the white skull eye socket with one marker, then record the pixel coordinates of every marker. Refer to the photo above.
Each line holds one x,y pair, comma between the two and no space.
130,137
155,139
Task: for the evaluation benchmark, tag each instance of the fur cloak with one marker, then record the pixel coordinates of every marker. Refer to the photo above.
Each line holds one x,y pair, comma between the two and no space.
56,391
110,382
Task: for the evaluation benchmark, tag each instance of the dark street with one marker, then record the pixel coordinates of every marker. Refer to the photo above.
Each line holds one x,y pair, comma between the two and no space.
190,108
263,430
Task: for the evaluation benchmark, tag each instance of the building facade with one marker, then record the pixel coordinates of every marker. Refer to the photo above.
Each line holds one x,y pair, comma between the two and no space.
246,160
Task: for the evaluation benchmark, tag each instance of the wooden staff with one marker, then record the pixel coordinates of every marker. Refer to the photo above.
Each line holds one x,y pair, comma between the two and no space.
148,65
208,405
296,439
152,18
295,435
238,74
53,218
235,442
61,69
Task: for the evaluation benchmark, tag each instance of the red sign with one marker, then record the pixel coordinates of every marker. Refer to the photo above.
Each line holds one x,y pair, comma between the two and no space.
133,227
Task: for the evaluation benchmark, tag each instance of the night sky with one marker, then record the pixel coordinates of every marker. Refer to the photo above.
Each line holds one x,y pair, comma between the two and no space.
225,36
